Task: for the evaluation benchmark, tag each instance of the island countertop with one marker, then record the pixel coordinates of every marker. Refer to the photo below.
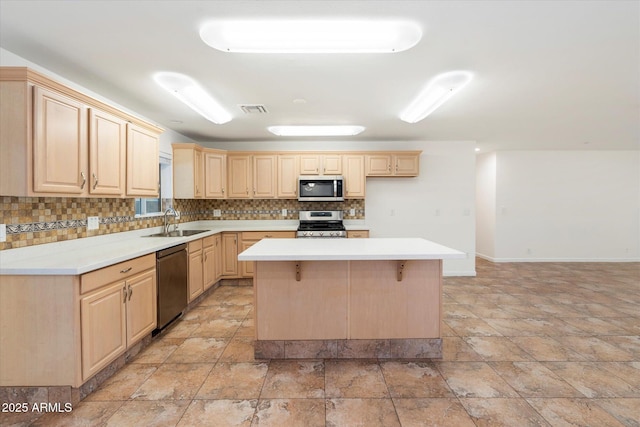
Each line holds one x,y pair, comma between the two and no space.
348,249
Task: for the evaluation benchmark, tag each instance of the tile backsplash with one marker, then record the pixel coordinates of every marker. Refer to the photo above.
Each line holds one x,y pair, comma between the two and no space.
38,220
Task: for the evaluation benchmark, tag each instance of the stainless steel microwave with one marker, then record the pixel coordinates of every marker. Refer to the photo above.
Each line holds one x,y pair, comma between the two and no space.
321,188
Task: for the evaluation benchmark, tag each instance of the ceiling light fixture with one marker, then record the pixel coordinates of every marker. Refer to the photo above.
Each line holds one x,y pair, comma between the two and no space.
191,93
437,92
311,36
325,130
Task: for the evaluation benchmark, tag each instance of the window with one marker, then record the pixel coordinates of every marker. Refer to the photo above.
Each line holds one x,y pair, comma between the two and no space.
152,206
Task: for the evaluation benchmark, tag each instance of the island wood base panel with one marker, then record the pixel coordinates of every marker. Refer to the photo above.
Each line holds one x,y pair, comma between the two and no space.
410,348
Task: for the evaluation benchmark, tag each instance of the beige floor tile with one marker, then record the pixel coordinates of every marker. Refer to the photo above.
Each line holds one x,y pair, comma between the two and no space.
84,414
291,379
532,379
497,349
159,350
471,327
217,328
354,378
148,413
625,410
573,412
442,412
180,329
229,311
239,349
174,381
361,412
595,349
198,350
546,349
592,379
414,380
474,379
629,343
629,372
290,412
124,383
219,413
457,311
234,381
456,349
503,412
595,325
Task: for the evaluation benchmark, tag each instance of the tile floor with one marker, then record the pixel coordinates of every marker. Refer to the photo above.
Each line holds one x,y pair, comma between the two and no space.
525,344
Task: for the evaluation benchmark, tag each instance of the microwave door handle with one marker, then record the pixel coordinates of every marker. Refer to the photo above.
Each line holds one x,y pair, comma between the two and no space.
335,188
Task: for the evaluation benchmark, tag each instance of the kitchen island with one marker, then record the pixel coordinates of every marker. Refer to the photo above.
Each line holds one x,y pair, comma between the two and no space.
348,298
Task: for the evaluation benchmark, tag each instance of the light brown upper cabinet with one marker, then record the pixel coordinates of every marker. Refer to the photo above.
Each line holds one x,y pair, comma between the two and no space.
320,164
252,176
188,171
215,174
288,172
143,155
56,141
107,153
393,163
354,176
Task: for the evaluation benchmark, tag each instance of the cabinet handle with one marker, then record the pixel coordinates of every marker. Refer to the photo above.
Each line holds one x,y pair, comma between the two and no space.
95,178
389,168
84,180
130,292
124,291
223,191
126,270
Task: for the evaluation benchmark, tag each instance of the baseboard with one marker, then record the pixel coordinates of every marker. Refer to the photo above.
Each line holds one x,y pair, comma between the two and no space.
452,273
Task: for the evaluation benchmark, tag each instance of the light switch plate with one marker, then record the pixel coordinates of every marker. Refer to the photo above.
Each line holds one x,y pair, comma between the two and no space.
352,212
93,222
284,212
217,212
3,232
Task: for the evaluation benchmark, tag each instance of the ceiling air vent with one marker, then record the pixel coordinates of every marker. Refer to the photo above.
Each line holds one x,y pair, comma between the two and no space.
253,109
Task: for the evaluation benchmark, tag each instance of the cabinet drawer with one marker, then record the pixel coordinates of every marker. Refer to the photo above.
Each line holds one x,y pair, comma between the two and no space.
104,276
195,246
209,241
259,235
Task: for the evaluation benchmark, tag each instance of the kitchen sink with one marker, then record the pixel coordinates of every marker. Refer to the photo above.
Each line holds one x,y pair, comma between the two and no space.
178,233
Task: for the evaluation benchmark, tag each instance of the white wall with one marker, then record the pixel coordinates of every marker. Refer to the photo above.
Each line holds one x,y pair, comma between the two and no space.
567,206
438,205
486,205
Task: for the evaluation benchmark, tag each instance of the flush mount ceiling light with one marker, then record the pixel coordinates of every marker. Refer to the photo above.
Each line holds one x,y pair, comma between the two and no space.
339,130
191,93
311,36
437,92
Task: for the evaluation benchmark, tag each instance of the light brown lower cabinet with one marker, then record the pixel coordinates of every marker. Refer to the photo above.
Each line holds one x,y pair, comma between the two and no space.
250,238
195,267
204,264
115,314
230,255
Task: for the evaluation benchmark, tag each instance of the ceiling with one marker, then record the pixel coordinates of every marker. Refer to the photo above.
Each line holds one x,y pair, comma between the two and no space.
548,75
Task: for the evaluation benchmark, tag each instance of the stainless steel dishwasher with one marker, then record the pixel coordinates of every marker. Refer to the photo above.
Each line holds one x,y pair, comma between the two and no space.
171,268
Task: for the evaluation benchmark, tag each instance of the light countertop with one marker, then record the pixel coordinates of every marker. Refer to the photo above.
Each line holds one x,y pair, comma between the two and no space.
348,249
79,256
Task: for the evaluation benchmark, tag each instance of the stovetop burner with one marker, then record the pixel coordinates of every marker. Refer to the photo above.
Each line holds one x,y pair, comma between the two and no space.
321,224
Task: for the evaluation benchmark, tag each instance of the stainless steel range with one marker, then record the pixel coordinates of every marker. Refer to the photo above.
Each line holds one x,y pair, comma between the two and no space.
321,224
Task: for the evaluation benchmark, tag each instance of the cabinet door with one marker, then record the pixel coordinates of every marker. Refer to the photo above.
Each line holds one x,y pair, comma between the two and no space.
217,254
288,171
239,180
198,174
215,175
378,165
264,176
406,164
332,164
230,254
309,164
354,176
142,162
141,306
209,262
103,327
59,144
196,276
246,267
107,151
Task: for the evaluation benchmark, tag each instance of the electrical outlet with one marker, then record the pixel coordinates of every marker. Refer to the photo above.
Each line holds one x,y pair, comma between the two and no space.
93,222
217,212
284,212
352,212
3,232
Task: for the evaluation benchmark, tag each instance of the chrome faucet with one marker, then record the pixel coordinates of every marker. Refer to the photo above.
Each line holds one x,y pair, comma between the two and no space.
170,211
